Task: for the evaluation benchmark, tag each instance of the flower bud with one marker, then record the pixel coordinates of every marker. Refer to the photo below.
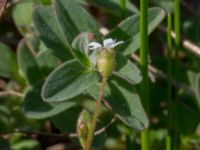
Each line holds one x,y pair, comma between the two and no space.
83,126
106,62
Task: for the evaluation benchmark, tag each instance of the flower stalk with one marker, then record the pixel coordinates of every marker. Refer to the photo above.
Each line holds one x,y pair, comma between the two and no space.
95,116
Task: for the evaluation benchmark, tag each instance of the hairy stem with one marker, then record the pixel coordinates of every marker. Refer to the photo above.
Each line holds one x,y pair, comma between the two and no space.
95,116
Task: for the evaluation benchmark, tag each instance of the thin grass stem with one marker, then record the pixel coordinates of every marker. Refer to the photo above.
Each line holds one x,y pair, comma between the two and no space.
144,66
177,28
168,142
169,72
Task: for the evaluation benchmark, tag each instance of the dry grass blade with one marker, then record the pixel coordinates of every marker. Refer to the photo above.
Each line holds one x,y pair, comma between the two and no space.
2,6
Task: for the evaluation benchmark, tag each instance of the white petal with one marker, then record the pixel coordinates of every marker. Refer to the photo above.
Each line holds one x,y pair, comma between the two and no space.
118,43
108,43
94,45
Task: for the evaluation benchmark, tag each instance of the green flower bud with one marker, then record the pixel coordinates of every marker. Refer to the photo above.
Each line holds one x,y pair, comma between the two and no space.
83,126
106,62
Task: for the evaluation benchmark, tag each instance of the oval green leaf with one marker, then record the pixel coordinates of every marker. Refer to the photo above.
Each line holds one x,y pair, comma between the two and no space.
8,63
129,29
67,81
74,19
50,32
34,107
80,48
113,6
129,72
22,14
46,61
27,62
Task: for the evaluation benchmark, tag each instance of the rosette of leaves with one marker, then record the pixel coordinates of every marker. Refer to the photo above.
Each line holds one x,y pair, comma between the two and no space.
65,28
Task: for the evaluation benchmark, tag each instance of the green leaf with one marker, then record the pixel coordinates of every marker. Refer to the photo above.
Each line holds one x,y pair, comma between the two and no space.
113,6
27,62
128,30
165,4
8,62
121,61
21,14
34,107
46,2
68,80
80,49
6,122
127,70
124,101
187,118
46,61
82,58
74,19
81,42
50,32
26,145
130,72
195,84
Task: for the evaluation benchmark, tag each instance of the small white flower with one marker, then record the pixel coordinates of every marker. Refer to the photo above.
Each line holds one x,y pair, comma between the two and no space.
107,44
